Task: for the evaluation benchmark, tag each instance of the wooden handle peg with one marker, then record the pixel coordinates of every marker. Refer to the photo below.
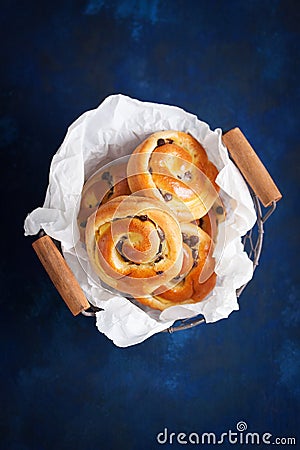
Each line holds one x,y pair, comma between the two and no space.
251,167
60,274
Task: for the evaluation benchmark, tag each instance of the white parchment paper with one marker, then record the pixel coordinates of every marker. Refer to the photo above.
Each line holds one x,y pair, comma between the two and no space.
101,135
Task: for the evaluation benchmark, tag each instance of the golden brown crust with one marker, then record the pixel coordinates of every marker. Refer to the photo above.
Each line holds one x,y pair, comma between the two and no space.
195,281
104,185
156,244
173,167
210,222
134,244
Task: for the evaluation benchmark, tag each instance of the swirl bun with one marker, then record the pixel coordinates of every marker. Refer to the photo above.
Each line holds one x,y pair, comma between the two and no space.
196,277
173,167
210,222
106,184
134,244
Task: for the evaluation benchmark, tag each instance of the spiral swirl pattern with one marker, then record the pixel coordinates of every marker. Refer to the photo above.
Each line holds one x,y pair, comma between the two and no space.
173,167
196,277
150,221
241,426
134,244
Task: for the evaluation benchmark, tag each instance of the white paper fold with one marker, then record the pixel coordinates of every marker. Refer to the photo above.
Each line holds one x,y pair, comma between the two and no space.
112,130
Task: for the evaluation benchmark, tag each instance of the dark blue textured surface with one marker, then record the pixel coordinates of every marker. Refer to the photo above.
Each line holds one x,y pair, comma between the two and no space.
63,384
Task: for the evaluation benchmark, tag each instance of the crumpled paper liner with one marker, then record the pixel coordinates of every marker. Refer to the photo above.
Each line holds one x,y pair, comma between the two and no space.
101,135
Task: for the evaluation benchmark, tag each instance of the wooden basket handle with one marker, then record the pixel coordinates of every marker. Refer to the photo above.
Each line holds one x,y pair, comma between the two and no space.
60,274
251,167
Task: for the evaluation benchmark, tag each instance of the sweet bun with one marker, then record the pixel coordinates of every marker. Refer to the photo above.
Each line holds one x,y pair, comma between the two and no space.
196,277
173,167
106,184
150,222
134,244
211,221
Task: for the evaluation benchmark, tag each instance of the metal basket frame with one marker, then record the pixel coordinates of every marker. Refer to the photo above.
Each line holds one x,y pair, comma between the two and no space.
264,193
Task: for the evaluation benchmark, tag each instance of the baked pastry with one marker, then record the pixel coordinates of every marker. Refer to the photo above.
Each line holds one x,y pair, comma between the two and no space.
210,222
150,224
196,278
106,184
173,167
134,244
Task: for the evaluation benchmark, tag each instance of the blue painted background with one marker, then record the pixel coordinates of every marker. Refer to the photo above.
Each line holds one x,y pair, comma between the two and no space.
63,384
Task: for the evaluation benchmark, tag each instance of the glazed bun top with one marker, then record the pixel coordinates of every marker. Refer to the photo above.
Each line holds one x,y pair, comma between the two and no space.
173,167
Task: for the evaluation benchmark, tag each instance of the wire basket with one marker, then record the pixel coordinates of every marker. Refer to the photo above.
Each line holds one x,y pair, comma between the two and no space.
264,193
252,242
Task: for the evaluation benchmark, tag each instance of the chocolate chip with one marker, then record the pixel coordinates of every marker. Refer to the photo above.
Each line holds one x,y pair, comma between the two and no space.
107,177
184,237
170,141
177,278
161,234
187,175
167,197
159,272
83,224
143,217
119,246
195,253
160,142
193,240
110,192
150,170
159,258
219,210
